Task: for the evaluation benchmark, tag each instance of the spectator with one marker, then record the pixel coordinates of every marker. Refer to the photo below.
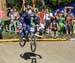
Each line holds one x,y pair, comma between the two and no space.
8,11
36,21
16,18
47,20
69,24
53,28
42,19
42,16
1,29
1,16
61,23
57,16
12,18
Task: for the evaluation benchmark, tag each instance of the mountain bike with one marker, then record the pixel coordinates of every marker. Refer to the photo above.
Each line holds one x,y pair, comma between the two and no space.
33,40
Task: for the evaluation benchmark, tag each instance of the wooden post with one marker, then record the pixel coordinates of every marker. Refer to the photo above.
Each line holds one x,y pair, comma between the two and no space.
3,10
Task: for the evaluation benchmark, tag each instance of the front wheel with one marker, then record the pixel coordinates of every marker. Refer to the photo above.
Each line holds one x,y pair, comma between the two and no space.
33,44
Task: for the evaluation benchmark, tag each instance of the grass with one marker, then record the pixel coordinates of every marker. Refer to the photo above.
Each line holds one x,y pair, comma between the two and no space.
9,35
12,35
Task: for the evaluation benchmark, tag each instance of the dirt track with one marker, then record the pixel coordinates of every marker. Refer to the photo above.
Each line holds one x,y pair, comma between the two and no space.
51,52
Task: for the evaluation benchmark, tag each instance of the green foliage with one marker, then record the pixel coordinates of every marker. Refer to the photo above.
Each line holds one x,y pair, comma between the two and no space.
39,3
13,3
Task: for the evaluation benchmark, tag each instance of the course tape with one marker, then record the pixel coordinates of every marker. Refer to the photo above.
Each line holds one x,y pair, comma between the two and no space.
45,39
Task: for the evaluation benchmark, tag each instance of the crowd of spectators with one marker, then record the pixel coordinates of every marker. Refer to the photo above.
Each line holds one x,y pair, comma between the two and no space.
53,24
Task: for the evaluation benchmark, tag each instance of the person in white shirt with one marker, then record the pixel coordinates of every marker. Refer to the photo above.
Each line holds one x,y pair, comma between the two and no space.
16,20
11,17
47,20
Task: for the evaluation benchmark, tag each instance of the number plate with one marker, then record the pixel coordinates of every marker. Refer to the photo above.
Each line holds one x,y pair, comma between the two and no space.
0,28
32,29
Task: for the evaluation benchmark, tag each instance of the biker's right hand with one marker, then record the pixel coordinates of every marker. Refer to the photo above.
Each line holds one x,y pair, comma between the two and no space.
24,24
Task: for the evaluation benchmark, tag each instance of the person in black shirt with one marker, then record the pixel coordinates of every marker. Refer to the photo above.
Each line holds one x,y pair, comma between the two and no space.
53,28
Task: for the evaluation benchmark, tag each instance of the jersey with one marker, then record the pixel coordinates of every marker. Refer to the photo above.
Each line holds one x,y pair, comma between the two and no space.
62,21
25,18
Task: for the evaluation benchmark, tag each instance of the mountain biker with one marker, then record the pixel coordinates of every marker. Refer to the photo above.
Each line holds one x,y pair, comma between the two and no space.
25,23
29,19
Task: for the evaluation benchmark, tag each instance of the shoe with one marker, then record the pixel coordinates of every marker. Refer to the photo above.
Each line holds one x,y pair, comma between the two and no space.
38,35
23,38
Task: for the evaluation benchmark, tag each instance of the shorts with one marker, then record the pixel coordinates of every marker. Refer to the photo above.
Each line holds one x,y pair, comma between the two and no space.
69,27
47,24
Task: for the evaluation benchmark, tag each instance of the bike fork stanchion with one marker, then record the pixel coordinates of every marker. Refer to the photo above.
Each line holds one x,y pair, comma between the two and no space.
33,44
34,60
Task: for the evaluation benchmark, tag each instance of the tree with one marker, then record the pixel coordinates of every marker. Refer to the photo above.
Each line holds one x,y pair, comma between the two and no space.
43,2
40,3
